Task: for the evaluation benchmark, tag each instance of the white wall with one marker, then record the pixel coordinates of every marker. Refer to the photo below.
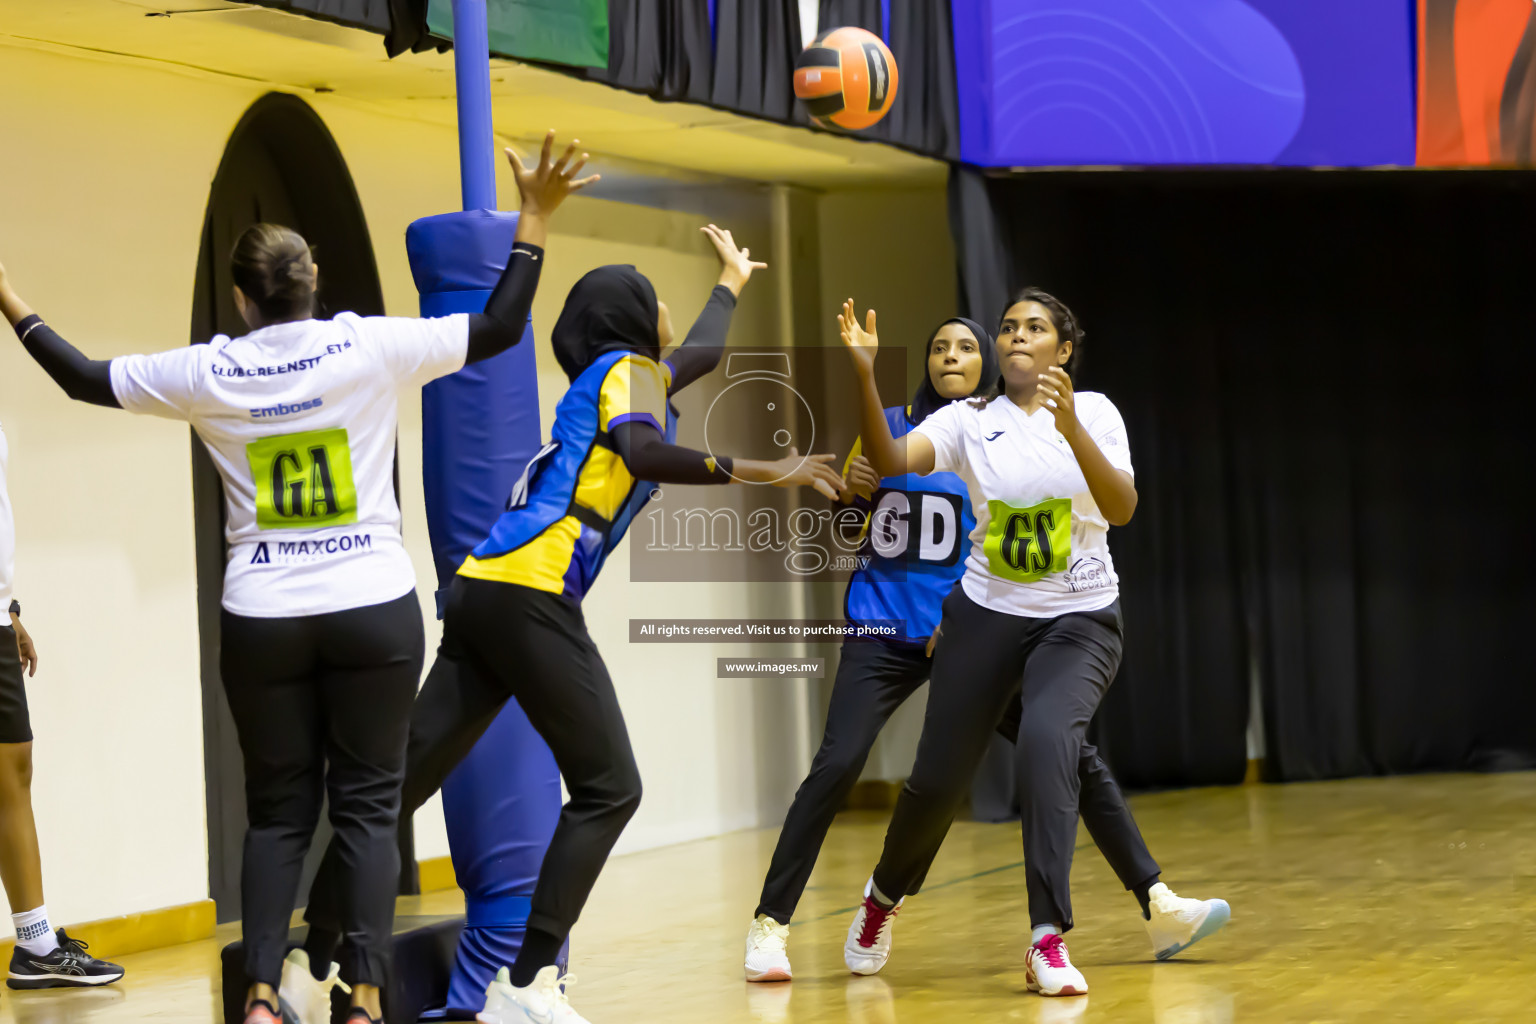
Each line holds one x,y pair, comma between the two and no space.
890,250
103,211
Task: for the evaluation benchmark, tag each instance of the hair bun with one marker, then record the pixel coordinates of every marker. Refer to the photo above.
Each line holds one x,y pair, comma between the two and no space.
273,267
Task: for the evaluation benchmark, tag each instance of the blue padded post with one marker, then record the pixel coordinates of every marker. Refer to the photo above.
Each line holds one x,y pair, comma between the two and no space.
479,428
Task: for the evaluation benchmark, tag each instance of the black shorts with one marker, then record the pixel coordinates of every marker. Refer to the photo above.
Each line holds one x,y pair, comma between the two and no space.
15,722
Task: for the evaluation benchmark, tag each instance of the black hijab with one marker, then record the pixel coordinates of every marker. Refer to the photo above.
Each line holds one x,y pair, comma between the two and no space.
926,400
612,308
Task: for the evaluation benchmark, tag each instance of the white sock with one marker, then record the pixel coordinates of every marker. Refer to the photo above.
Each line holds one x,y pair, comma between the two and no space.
33,932
881,898
1041,931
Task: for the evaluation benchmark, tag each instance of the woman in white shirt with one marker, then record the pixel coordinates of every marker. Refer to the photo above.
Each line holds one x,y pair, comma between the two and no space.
1035,624
321,636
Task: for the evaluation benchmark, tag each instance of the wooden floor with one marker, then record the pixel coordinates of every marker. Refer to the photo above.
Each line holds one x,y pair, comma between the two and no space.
1406,899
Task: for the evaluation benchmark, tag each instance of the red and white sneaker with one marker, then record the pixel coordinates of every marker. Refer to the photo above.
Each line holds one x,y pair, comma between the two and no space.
869,937
1049,971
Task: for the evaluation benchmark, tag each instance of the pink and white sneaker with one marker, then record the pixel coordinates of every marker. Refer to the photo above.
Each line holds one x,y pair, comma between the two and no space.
1049,971
767,950
869,937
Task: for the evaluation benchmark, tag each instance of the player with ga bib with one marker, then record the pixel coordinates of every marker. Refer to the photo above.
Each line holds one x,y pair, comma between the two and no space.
1034,624
915,535
321,635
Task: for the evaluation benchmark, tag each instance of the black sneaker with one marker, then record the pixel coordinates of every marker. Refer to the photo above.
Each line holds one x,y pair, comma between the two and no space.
69,966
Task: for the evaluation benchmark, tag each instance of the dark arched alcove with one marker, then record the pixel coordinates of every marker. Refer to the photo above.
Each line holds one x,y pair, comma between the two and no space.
281,166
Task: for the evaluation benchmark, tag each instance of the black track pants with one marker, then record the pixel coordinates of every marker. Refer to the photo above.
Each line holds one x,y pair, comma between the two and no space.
322,705
1059,669
501,640
873,679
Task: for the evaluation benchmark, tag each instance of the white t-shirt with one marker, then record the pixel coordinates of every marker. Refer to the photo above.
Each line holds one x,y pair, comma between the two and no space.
1040,548
300,421
7,536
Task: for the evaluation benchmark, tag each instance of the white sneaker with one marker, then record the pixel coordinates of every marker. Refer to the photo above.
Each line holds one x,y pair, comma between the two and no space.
869,937
767,957
1049,971
307,997
543,1001
1178,923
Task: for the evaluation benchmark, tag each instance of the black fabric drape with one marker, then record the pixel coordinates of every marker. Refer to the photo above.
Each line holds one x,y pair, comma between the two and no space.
982,258
403,23
756,42
926,113
1324,379
661,48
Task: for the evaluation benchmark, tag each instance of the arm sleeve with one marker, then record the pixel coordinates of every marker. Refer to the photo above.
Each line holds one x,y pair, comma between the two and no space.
415,351
632,409
648,456
942,429
1107,428
506,312
163,384
700,352
84,380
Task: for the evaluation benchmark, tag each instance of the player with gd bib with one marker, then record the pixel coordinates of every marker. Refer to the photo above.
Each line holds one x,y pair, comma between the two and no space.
916,532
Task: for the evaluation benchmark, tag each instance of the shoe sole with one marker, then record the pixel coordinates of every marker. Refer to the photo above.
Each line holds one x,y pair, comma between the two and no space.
1065,990
865,970
23,981
1220,914
771,974
290,1011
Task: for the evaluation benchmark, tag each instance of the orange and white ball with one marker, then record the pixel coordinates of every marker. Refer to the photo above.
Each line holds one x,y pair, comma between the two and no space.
846,78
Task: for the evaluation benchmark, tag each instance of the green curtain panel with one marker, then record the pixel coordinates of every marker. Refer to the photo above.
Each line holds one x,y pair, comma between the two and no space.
573,32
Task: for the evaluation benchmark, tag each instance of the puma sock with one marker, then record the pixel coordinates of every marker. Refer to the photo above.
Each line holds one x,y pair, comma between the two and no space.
34,933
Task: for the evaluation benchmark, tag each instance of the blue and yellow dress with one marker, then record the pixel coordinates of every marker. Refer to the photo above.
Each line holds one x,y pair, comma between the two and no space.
513,625
577,498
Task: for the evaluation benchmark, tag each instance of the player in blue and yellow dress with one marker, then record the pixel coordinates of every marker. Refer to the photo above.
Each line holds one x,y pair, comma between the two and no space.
513,625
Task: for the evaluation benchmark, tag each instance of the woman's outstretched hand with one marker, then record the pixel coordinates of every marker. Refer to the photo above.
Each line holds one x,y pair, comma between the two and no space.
736,265
544,187
861,480
861,341
796,470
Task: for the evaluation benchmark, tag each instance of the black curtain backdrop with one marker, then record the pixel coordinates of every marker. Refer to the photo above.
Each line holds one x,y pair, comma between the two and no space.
1325,377
664,48
926,114
756,42
661,48
403,23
